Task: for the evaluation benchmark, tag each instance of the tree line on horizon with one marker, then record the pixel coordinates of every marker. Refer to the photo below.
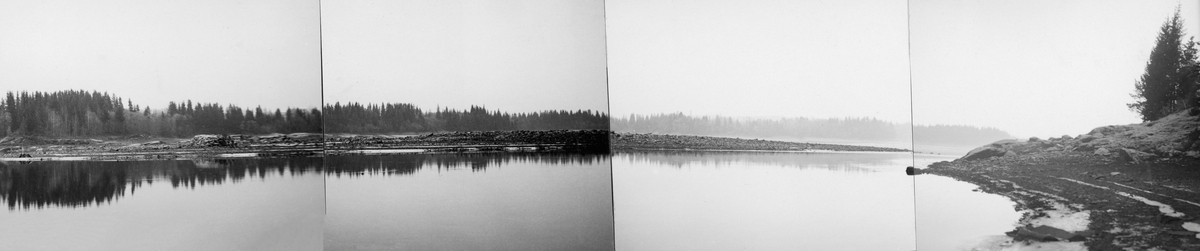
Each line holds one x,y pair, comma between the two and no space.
861,128
77,113
1171,82
407,118
82,113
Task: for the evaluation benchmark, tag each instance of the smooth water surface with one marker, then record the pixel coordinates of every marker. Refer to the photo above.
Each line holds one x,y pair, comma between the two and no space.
223,204
763,201
469,202
952,216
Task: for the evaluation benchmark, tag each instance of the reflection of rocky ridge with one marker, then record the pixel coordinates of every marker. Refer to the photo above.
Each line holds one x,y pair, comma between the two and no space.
840,161
82,183
407,164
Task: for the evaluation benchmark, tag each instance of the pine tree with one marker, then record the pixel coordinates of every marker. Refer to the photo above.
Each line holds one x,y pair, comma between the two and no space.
10,106
1164,87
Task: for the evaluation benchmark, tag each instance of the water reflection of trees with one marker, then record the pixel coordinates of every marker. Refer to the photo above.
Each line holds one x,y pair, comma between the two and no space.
854,162
408,164
87,183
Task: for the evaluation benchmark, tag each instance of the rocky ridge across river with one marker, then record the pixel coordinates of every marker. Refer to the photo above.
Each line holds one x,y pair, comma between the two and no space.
137,147
479,141
1126,187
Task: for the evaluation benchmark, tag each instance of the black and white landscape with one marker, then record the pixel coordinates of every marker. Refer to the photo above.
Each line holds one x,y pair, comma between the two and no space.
793,119
135,125
466,125
599,125
1100,100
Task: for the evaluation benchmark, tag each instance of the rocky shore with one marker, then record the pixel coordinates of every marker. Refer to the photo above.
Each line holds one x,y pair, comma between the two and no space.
592,141
1129,187
138,147
199,146
641,141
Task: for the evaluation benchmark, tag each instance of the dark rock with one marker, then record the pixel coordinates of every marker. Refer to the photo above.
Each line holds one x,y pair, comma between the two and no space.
983,153
1166,219
1054,232
995,149
1130,156
1046,144
1023,233
1077,238
1085,233
25,155
1182,233
1109,130
1048,233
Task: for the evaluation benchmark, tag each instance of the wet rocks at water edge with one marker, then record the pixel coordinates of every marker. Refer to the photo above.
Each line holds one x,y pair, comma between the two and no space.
910,171
1048,233
1139,184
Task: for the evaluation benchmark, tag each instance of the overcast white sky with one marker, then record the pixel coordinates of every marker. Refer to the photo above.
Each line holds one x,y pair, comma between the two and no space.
516,56
262,52
1033,68
778,58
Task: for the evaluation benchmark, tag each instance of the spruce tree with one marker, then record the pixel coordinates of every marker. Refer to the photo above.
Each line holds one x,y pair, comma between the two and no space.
1163,88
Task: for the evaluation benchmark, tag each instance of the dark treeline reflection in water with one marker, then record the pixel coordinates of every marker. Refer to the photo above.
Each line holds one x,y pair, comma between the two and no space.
88,183
408,164
847,162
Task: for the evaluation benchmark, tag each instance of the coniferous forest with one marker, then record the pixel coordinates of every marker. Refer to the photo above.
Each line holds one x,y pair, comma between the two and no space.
1171,82
77,113
407,118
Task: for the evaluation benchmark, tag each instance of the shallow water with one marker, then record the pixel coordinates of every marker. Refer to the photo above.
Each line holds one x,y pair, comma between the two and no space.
763,201
951,216
242,204
482,201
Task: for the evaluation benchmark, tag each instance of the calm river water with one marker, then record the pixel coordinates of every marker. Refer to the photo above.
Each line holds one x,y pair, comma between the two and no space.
241,204
663,201
763,201
469,202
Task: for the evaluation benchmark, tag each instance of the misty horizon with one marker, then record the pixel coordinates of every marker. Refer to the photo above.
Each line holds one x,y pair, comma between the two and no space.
165,105
221,51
